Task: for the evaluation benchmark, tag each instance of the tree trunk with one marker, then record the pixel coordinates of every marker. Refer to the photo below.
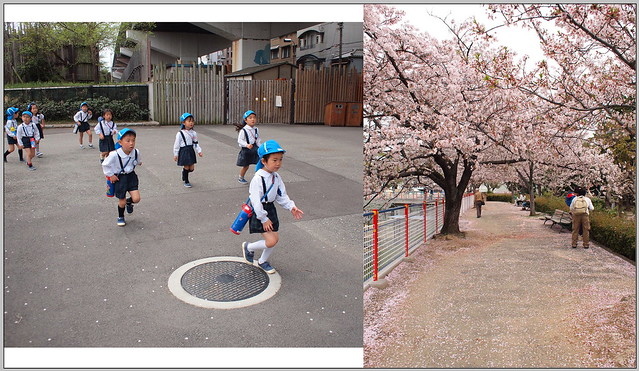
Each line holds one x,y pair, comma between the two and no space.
531,184
452,209
454,196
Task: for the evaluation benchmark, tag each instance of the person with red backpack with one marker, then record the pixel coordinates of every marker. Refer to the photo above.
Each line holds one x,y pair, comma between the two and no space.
580,208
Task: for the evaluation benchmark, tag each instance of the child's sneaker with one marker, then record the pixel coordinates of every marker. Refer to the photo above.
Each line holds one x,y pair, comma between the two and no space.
39,154
187,185
121,222
267,267
91,145
248,255
242,180
129,207
81,146
32,167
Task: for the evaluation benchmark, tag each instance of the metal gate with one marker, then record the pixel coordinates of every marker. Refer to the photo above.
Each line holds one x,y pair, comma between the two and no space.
270,99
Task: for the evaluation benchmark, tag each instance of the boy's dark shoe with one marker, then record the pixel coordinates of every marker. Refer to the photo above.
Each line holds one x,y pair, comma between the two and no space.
248,255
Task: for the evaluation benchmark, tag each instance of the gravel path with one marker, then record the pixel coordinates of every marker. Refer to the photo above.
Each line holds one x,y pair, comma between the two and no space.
512,293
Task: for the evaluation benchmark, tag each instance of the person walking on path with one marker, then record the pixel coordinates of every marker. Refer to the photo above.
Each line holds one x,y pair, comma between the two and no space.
81,119
27,136
185,146
249,140
580,208
38,120
480,200
119,166
11,128
105,129
264,218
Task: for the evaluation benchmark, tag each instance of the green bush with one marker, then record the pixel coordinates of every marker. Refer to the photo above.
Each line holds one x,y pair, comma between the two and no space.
548,204
123,110
502,197
616,233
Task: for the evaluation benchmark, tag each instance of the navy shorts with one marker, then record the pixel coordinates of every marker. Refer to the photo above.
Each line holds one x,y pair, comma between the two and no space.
255,225
26,142
11,140
126,183
84,126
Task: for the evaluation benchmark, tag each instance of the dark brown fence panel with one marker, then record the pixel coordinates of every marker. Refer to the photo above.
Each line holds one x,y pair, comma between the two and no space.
260,96
314,89
197,90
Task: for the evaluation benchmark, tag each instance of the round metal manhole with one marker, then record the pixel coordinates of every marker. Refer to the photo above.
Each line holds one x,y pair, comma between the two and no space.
223,283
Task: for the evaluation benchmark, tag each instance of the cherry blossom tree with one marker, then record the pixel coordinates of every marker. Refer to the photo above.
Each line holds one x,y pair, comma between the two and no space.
442,111
430,114
589,74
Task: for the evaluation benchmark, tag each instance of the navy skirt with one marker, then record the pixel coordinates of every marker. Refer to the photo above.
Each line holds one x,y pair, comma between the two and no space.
107,144
186,156
255,225
247,156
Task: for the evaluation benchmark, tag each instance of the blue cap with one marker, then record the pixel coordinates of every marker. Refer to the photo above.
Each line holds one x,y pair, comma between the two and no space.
247,114
12,111
84,104
185,115
268,147
27,113
121,134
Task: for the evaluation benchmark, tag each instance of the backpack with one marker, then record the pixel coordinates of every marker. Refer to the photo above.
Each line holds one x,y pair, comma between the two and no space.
581,206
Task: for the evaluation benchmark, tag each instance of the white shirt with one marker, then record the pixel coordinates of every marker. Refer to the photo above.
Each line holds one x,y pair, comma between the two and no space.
253,135
25,130
37,118
109,127
191,139
111,165
256,191
8,127
81,116
588,202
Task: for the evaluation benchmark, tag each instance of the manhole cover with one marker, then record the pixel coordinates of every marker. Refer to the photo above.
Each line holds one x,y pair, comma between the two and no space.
223,283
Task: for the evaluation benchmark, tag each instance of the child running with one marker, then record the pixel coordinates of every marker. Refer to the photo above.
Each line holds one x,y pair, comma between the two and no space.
267,187
185,146
248,139
38,120
105,130
82,121
120,167
27,136
10,128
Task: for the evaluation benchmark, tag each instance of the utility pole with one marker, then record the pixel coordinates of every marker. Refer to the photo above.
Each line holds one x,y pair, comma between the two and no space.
340,27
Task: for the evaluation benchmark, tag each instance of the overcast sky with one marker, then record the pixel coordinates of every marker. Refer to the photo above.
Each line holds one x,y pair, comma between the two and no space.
523,42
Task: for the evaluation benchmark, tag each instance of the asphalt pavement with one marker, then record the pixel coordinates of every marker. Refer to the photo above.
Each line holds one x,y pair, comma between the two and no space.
73,278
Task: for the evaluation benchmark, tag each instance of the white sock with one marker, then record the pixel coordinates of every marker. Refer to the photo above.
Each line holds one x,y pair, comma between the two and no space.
265,254
257,245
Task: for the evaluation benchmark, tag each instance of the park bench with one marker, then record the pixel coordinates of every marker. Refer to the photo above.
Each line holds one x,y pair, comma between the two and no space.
560,217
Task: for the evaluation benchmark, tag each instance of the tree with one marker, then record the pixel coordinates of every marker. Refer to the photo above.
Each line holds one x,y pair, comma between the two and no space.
431,114
455,111
47,51
589,75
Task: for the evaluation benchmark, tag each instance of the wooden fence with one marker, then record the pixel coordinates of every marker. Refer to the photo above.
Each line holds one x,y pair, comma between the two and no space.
316,88
202,91
197,90
260,96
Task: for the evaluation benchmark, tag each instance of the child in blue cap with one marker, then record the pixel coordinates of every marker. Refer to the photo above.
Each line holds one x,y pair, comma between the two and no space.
248,140
11,129
266,188
185,146
119,166
27,136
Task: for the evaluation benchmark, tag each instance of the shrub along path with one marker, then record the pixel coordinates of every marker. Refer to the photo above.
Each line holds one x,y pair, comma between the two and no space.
512,294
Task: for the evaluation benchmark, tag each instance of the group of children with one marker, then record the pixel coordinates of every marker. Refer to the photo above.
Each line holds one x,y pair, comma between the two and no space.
119,159
267,157
26,135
